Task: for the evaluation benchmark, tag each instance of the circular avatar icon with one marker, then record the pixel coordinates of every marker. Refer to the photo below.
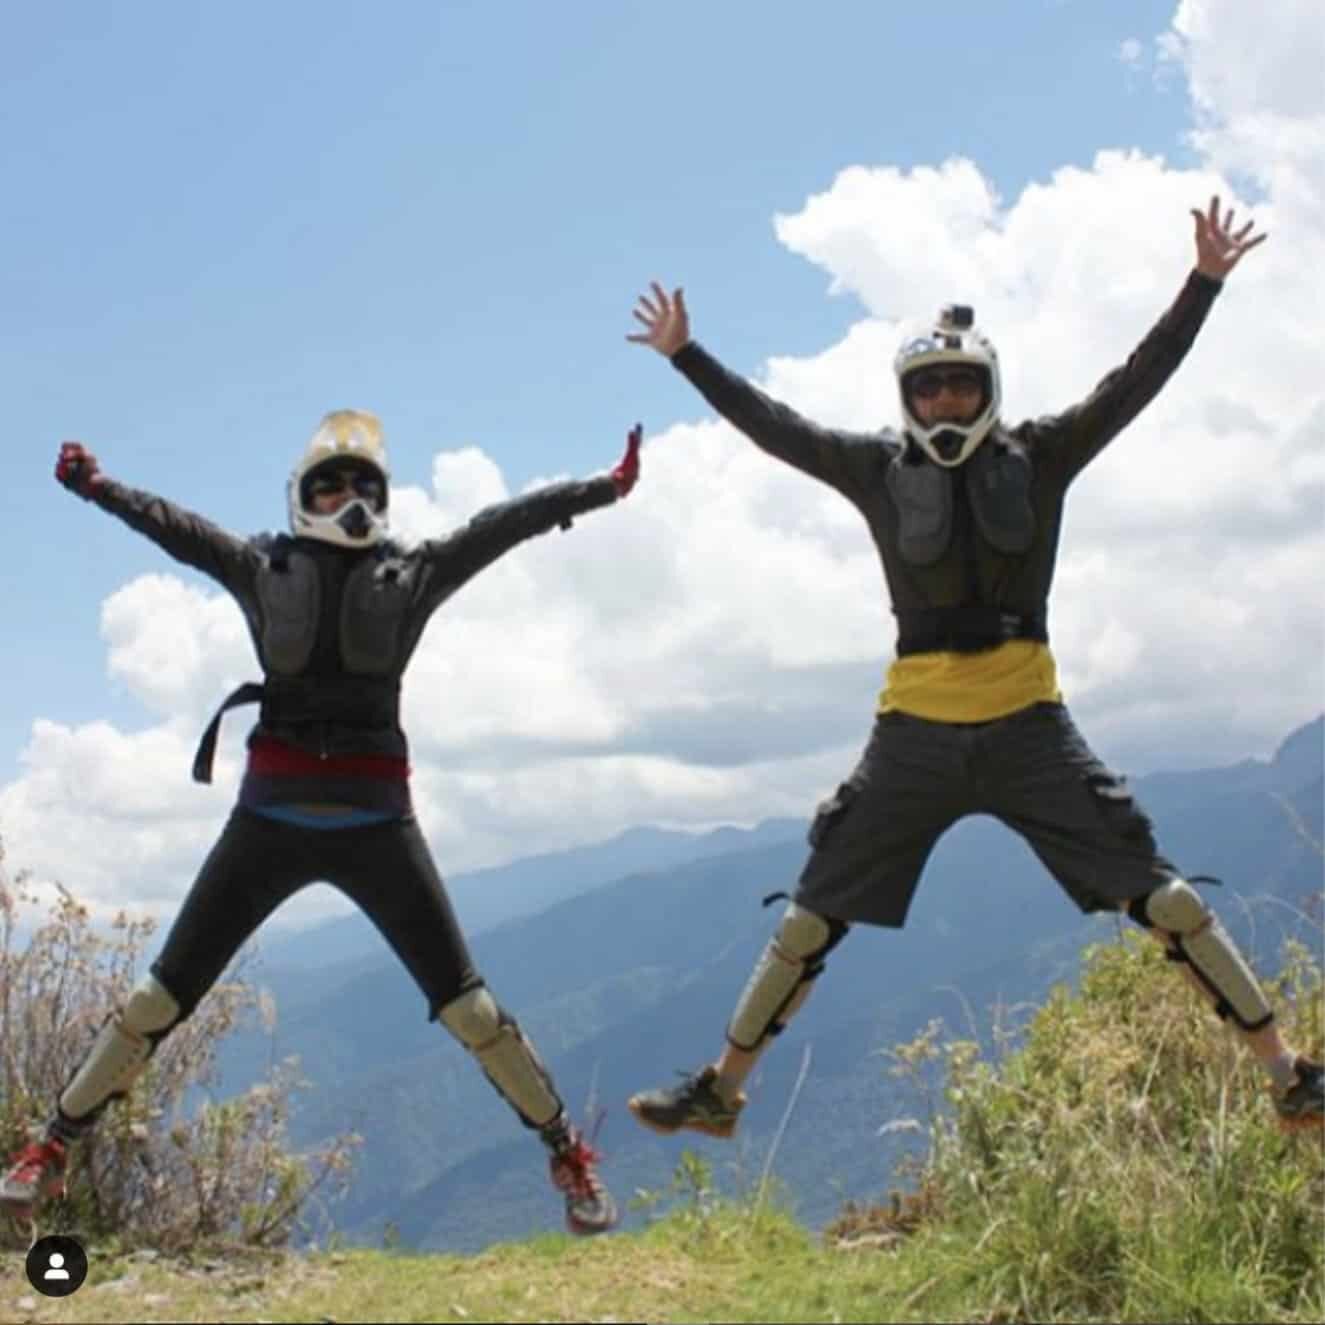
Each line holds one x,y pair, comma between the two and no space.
56,1265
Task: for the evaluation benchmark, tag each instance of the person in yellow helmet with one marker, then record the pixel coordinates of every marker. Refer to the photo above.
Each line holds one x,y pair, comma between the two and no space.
966,513
335,609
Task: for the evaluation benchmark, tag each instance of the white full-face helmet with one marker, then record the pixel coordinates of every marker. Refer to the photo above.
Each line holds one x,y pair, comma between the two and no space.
347,446
951,341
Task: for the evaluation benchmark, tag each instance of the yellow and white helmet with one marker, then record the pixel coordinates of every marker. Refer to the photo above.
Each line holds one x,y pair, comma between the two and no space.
347,444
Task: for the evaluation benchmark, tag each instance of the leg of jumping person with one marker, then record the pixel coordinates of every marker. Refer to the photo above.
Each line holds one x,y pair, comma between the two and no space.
711,1100
1193,937
388,870
870,841
1083,823
253,867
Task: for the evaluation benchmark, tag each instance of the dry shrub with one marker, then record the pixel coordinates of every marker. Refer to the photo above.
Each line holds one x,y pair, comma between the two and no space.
166,1167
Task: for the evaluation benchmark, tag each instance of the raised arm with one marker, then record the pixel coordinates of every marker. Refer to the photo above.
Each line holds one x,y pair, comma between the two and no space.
183,535
495,530
844,462
1075,437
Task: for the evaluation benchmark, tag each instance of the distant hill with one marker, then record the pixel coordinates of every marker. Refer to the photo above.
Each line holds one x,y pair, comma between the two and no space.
489,897
623,982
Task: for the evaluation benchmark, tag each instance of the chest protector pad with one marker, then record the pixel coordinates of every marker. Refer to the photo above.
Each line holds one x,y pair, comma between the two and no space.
289,591
998,480
922,494
374,602
373,608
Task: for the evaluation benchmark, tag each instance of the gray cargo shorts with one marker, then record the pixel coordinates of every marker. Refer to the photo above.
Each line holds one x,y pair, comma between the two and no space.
1032,770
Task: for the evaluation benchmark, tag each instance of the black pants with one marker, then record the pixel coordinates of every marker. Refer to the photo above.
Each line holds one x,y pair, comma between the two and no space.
1032,769
257,863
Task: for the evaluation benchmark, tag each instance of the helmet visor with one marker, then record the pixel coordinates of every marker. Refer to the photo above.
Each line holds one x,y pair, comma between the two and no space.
362,480
960,380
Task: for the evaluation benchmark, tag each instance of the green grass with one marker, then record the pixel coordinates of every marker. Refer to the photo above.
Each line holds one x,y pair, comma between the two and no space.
1121,1162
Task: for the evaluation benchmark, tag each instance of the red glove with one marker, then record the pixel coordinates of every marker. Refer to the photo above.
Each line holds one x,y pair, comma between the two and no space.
625,475
77,470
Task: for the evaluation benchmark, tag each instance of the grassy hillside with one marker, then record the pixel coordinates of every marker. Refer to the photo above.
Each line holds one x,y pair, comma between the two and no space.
1121,1163
627,981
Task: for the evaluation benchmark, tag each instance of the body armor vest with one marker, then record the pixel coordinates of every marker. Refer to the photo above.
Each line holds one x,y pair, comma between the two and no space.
996,483
364,691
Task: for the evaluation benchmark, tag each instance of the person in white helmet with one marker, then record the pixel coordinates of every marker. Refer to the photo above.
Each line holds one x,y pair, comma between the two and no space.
965,512
335,610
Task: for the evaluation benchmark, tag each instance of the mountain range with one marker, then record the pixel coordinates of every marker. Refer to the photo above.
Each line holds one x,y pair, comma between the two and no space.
622,961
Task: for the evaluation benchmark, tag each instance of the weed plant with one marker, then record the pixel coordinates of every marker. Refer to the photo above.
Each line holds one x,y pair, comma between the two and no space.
152,1173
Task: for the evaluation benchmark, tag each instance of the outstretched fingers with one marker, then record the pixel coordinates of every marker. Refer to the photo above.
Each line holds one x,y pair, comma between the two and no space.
648,313
1219,247
663,318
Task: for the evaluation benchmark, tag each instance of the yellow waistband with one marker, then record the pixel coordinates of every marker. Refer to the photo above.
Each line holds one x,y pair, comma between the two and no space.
971,687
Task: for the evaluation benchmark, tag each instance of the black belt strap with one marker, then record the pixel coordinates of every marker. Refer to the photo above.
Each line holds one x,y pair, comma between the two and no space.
968,629
250,692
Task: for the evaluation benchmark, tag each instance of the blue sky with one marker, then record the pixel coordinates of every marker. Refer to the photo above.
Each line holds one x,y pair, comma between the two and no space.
221,222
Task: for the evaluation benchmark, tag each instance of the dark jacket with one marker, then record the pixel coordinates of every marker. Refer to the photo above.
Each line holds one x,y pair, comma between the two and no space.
1029,465
335,627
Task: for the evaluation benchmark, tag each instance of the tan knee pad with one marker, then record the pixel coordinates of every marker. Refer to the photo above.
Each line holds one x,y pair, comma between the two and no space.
781,979
1197,938
121,1049
505,1055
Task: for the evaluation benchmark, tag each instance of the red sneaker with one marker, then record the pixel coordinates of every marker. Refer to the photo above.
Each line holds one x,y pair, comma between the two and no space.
37,1171
589,1205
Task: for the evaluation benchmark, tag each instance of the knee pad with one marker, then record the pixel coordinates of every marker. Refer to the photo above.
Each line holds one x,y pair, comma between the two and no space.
507,1058
781,979
121,1050
1197,938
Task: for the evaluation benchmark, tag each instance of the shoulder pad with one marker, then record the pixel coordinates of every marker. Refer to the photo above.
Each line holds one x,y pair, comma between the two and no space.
891,440
273,548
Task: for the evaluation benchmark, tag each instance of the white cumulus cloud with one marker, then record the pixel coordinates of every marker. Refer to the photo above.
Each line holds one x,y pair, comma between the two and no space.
710,649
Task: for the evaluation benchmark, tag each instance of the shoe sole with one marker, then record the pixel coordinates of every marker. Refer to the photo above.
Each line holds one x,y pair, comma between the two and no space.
23,1207
1310,1122
722,1131
586,1230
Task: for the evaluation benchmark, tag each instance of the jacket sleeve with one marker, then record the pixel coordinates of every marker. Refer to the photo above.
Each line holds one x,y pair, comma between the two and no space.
495,530
835,458
187,537
1071,440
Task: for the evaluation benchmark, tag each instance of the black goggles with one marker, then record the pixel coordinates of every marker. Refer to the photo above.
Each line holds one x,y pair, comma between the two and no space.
362,483
926,383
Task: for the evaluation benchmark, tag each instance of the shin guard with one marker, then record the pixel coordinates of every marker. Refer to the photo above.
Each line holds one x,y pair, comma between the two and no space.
1197,938
781,979
119,1053
505,1055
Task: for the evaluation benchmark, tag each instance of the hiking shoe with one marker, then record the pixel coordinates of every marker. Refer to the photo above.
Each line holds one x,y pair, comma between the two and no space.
37,1171
1303,1105
589,1205
695,1104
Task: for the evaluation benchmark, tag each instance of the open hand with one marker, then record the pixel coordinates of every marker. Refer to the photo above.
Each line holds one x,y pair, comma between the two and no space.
665,320
1218,249
626,473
